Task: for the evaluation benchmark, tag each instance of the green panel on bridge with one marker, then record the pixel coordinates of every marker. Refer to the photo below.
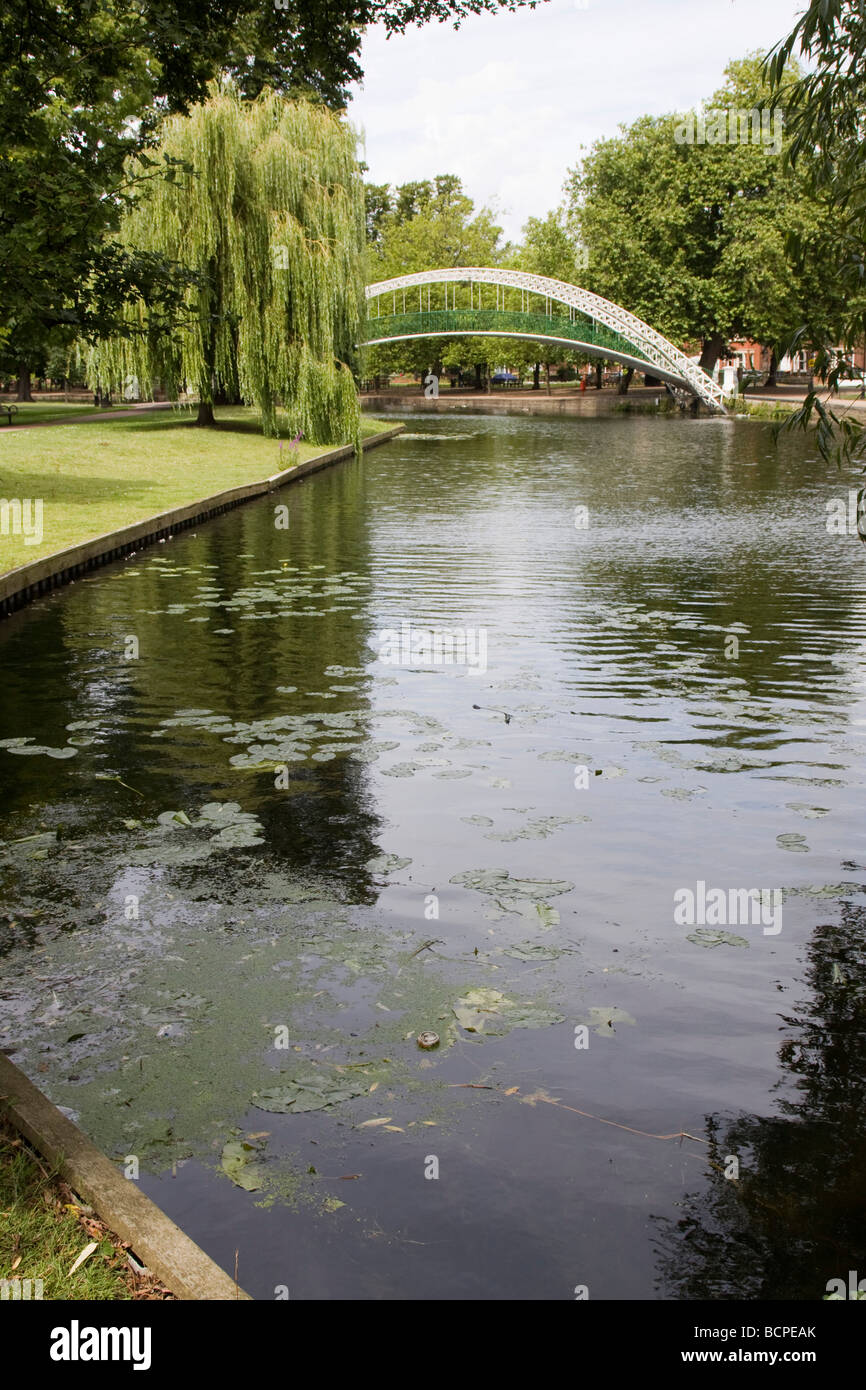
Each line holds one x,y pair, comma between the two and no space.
577,330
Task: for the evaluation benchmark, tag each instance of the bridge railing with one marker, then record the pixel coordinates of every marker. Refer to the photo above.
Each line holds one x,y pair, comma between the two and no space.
577,330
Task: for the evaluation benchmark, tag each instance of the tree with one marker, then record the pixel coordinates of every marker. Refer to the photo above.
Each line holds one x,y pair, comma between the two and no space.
692,235
825,117
377,203
84,85
432,225
269,215
548,248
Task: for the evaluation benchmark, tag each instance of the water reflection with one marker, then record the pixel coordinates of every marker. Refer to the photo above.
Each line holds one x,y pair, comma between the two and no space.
796,1217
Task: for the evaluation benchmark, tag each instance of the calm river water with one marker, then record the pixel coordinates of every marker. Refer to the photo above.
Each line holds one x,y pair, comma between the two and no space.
247,858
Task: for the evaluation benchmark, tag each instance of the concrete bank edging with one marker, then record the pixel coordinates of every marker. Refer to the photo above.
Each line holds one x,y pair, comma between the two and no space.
590,405
20,586
162,1246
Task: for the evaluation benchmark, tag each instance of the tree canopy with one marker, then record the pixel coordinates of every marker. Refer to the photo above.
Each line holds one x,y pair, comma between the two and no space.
693,237
266,210
84,85
430,224
825,115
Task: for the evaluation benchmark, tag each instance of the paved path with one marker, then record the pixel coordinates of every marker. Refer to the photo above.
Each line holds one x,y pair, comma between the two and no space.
797,398
95,415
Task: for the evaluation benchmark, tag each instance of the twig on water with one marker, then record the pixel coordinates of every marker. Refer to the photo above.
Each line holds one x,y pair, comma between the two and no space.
553,1100
426,945
490,709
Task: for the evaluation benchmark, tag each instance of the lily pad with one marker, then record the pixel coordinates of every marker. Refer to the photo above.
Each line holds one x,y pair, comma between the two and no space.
603,1021
309,1092
532,1016
499,883
27,748
218,813
387,864
542,915
478,1008
238,1162
489,1011
710,936
239,836
536,829
793,842
548,916
828,890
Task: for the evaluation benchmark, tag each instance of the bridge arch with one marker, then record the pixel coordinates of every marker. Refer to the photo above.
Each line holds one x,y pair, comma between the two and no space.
623,337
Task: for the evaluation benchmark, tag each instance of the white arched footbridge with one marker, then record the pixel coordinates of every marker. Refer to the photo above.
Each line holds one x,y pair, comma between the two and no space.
570,317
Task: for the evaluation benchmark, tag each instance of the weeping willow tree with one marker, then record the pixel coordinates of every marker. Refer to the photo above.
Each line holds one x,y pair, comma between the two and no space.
265,208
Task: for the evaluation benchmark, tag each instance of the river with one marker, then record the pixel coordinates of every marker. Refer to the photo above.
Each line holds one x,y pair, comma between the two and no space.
254,842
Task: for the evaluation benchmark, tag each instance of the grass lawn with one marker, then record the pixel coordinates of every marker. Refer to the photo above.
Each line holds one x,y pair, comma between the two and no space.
103,474
43,1230
28,412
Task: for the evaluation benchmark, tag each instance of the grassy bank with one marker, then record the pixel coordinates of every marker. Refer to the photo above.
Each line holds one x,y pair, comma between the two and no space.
44,1230
99,475
763,410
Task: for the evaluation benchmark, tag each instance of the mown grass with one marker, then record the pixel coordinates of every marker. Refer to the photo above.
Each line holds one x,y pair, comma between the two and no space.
43,1231
102,474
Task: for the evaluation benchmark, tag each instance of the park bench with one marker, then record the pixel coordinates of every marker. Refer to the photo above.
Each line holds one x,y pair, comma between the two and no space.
10,411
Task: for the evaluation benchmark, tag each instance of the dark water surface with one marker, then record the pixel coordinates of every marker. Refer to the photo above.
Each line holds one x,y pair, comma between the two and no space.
246,912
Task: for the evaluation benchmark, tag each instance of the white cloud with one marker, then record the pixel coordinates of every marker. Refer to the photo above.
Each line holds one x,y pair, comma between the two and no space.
507,100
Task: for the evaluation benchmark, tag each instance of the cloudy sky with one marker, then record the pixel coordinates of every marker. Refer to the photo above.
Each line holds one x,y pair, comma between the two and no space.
508,100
